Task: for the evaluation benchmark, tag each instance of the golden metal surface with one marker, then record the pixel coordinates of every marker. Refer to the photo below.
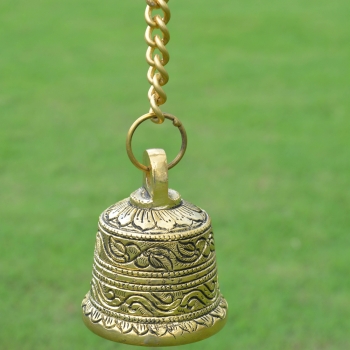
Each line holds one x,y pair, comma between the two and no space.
154,280
155,181
176,122
157,74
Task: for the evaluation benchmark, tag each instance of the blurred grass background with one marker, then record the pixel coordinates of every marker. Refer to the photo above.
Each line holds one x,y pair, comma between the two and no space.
263,90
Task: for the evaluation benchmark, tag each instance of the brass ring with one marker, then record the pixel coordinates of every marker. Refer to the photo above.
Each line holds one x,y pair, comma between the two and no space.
134,126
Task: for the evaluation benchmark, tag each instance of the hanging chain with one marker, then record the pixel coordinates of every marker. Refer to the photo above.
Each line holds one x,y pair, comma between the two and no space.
157,77
157,74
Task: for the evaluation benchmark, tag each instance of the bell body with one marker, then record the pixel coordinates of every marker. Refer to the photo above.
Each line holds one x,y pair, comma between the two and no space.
154,279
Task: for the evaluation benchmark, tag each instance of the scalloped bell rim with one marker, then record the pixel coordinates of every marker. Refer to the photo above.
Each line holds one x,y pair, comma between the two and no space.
144,334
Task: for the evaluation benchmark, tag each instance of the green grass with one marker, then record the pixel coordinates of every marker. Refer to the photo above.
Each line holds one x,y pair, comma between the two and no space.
263,90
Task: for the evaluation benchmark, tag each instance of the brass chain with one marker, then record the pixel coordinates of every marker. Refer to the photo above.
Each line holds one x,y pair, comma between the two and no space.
157,74
157,77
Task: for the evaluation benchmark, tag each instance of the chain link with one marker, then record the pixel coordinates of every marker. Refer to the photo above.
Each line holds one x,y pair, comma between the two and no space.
157,77
157,74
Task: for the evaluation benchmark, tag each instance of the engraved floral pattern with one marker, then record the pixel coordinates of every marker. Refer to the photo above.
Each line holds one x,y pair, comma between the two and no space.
154,272
175,329
161,256
123,215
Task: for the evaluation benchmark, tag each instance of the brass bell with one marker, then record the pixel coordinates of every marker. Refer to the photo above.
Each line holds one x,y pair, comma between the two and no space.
154,279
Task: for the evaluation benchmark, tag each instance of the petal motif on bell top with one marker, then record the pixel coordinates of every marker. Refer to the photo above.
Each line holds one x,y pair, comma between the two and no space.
191,214
192,207
179,218
143,220
114,213
126,216
164,220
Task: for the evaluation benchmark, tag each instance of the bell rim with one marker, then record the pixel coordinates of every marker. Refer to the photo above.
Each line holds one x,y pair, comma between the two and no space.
188,331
